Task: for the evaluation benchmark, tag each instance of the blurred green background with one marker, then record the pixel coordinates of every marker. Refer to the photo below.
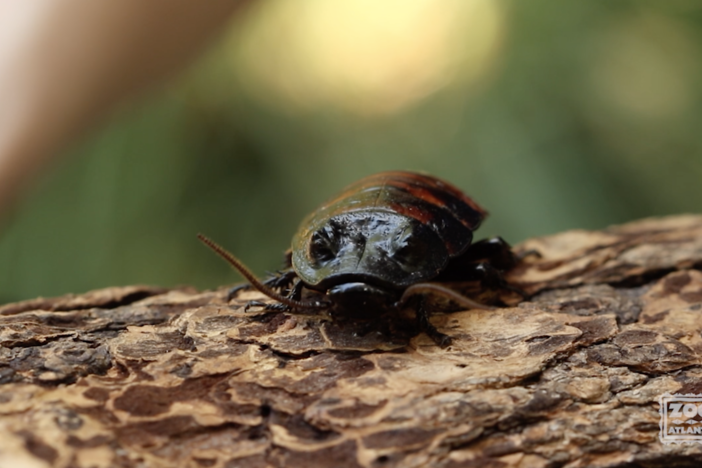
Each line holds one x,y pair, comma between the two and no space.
553,115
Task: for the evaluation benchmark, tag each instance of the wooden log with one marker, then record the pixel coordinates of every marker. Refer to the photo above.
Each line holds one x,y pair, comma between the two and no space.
150,377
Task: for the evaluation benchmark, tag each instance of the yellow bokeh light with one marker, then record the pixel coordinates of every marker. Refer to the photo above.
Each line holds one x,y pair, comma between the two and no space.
364,56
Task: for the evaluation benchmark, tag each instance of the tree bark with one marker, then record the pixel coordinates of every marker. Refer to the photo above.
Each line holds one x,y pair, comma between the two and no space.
142,376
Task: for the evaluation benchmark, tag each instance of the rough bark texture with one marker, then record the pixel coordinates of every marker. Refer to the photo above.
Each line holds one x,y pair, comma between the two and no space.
141,376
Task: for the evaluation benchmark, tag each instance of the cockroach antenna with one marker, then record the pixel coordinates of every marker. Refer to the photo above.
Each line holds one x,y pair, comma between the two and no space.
255,282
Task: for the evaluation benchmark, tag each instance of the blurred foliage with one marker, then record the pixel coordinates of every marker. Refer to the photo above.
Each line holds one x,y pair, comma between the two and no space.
553,115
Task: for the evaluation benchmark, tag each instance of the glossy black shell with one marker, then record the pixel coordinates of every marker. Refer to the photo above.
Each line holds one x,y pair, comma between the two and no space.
391,229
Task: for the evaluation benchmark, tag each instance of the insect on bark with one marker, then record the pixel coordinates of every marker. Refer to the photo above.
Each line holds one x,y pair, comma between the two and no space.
382,246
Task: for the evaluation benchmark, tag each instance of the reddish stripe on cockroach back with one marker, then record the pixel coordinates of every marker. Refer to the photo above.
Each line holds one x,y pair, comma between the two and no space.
444,187
413,211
